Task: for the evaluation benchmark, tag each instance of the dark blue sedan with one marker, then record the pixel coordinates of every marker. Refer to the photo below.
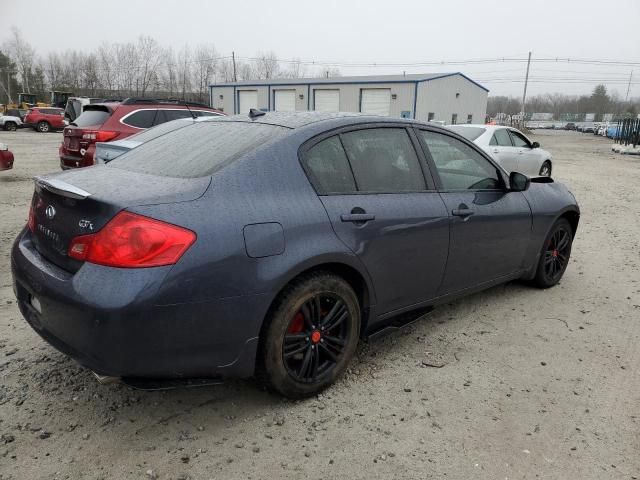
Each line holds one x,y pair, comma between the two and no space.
268,244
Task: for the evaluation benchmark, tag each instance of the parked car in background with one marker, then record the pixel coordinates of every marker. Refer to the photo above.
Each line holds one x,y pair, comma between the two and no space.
570,126
45,119
108,151
269,244
6,158
588,127
16,112
509,147
74,105
613,131
10,123
106,122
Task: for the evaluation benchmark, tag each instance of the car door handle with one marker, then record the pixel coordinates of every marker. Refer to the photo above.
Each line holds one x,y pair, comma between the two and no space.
462,212
495,150
357,217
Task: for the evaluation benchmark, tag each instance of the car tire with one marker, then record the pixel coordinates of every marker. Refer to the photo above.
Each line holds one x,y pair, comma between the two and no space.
43,127
554,255
310,336
10,126
545,169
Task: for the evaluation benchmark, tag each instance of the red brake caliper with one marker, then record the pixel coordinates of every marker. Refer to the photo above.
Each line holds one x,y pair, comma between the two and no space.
297,324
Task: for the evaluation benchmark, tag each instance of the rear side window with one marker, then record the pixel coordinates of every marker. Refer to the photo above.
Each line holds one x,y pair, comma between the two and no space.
204,113
502,138
328,167
168,115
160,130
383,160
140,118
470,133
198,150
92,117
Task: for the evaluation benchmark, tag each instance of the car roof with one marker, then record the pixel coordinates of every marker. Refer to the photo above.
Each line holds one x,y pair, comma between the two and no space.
300,119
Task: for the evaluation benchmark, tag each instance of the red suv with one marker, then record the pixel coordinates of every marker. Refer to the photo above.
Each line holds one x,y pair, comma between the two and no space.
45,119
105,122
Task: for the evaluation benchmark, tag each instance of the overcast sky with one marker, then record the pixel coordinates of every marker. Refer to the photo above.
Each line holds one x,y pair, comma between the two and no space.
372,31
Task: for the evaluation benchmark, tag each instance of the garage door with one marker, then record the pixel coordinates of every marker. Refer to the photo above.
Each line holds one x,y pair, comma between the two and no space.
375,101
248,99
326,100
285,101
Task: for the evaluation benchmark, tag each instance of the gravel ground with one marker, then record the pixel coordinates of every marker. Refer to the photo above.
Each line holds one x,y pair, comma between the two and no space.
509,383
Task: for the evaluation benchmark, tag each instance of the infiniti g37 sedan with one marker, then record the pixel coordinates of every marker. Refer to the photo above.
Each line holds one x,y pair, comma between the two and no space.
268,244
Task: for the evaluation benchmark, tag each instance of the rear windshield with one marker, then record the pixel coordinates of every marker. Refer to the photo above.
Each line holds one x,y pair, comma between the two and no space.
470,133
92,117
198,150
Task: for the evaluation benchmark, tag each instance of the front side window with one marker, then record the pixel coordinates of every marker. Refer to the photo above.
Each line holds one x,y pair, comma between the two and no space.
519,140
502,138
328,167
383,160
459,166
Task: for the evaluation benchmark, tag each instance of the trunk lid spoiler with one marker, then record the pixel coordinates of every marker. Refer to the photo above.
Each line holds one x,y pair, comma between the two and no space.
61,188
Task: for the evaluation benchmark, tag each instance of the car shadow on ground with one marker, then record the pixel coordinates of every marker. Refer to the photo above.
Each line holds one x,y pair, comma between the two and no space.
218,406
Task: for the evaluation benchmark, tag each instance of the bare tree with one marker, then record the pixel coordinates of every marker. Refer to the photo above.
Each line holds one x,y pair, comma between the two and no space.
149,56
205,63
24,56
267,65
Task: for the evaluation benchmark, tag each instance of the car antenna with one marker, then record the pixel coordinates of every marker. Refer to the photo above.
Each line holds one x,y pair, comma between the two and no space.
255,113
193,115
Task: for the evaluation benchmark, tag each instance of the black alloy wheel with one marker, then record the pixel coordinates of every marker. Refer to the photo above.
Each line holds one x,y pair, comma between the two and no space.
555,255
310,335
316,337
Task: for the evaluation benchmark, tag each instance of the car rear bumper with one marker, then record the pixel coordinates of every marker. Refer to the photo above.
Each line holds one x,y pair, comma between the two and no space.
110,320
70,160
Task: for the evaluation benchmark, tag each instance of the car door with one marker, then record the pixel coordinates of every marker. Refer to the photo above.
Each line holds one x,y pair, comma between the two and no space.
528,159
490,225
371,181
502,150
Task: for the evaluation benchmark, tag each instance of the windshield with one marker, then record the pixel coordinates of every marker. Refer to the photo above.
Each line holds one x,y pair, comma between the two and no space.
470,133
197,151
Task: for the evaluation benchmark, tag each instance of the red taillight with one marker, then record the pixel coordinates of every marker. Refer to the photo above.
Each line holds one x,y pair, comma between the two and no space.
133,241
32,218
99,135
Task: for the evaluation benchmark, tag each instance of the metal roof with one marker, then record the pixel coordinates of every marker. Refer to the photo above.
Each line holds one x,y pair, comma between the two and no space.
409,78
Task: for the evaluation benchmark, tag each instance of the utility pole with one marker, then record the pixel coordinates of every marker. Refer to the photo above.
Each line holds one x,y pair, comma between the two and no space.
526,81
233,58
629,86
8,87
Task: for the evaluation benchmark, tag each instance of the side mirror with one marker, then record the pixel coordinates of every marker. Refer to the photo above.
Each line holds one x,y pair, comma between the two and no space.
518,182
535,145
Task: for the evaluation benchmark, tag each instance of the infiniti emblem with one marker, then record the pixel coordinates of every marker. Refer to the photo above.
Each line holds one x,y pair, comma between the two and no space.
50,212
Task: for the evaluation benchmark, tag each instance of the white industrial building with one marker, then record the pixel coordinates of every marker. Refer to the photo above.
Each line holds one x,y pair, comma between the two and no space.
447,97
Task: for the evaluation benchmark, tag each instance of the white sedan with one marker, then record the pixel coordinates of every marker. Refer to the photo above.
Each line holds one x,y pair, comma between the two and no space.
509,147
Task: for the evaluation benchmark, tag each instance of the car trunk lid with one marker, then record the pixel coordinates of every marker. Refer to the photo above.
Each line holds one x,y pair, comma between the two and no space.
81,202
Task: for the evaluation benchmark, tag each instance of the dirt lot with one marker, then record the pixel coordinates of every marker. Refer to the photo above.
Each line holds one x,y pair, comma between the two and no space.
533,384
